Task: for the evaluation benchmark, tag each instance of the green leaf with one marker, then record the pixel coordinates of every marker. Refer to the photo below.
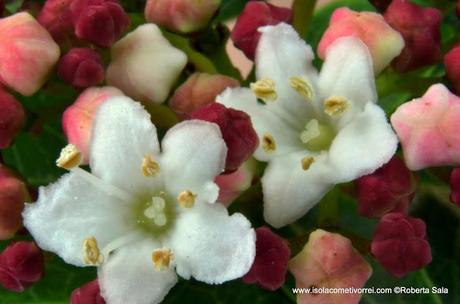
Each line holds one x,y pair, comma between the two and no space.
230,9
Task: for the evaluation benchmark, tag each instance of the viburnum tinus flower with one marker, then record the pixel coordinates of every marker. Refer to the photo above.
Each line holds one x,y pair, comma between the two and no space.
315,130
141,213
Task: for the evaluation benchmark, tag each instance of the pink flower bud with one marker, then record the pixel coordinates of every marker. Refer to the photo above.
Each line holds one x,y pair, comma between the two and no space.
27,53
90,293
233,184
99,21
383,42
182,16
381,5
21,265
77,120
145,65
199,90
427,128
271,262
455,186
452,63
236,127
389,189
400,244
13,194
421,30
256,14
11,118
81,67
329,260
56,17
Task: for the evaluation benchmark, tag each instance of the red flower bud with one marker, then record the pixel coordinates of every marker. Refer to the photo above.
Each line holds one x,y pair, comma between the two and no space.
421,30
452,63
199,90
389,189
237,131
455,186
21,265
99,21
90,293
13,194
400,244
81,67
256,14
11,118
271,261
56,17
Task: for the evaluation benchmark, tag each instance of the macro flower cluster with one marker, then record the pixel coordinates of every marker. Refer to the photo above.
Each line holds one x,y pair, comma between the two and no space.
228,151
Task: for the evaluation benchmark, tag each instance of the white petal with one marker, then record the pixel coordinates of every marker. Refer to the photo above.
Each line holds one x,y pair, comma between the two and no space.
364,145
285,132
122,136
212,246
193,154
348,72
290,191
282,54
71,210
129,276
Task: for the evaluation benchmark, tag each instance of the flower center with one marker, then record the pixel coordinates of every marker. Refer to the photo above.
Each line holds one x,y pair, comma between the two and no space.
156,213
317,136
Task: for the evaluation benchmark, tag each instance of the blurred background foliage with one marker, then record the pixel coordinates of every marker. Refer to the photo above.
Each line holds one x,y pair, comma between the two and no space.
34,152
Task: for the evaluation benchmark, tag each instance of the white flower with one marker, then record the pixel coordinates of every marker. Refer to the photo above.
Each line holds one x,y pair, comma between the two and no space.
141,212
315,130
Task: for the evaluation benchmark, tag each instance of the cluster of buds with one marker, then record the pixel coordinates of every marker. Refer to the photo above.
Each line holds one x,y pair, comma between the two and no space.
100,22
389,189
21,265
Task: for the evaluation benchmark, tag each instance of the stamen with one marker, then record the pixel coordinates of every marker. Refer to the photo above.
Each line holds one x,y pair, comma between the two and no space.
268,143
102,185
186,199
69,158
264,89
307,161
149,166
301,86
162,258
335,105
91,253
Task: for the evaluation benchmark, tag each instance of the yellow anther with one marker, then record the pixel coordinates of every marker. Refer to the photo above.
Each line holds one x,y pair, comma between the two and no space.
268,143
307,161
162,258
91,253
149,166
186,199
264,89
69,158
301,86
335,105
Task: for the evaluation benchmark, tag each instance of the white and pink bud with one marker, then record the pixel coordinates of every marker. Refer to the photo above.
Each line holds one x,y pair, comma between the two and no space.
427,128
198,91
77,120
384,43
183,16
145,65
27,53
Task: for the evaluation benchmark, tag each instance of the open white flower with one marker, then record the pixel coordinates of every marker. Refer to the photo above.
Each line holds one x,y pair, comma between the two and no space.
141,212
316,130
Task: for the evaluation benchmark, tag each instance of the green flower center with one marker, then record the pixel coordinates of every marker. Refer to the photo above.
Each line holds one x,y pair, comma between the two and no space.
156,213
317,136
